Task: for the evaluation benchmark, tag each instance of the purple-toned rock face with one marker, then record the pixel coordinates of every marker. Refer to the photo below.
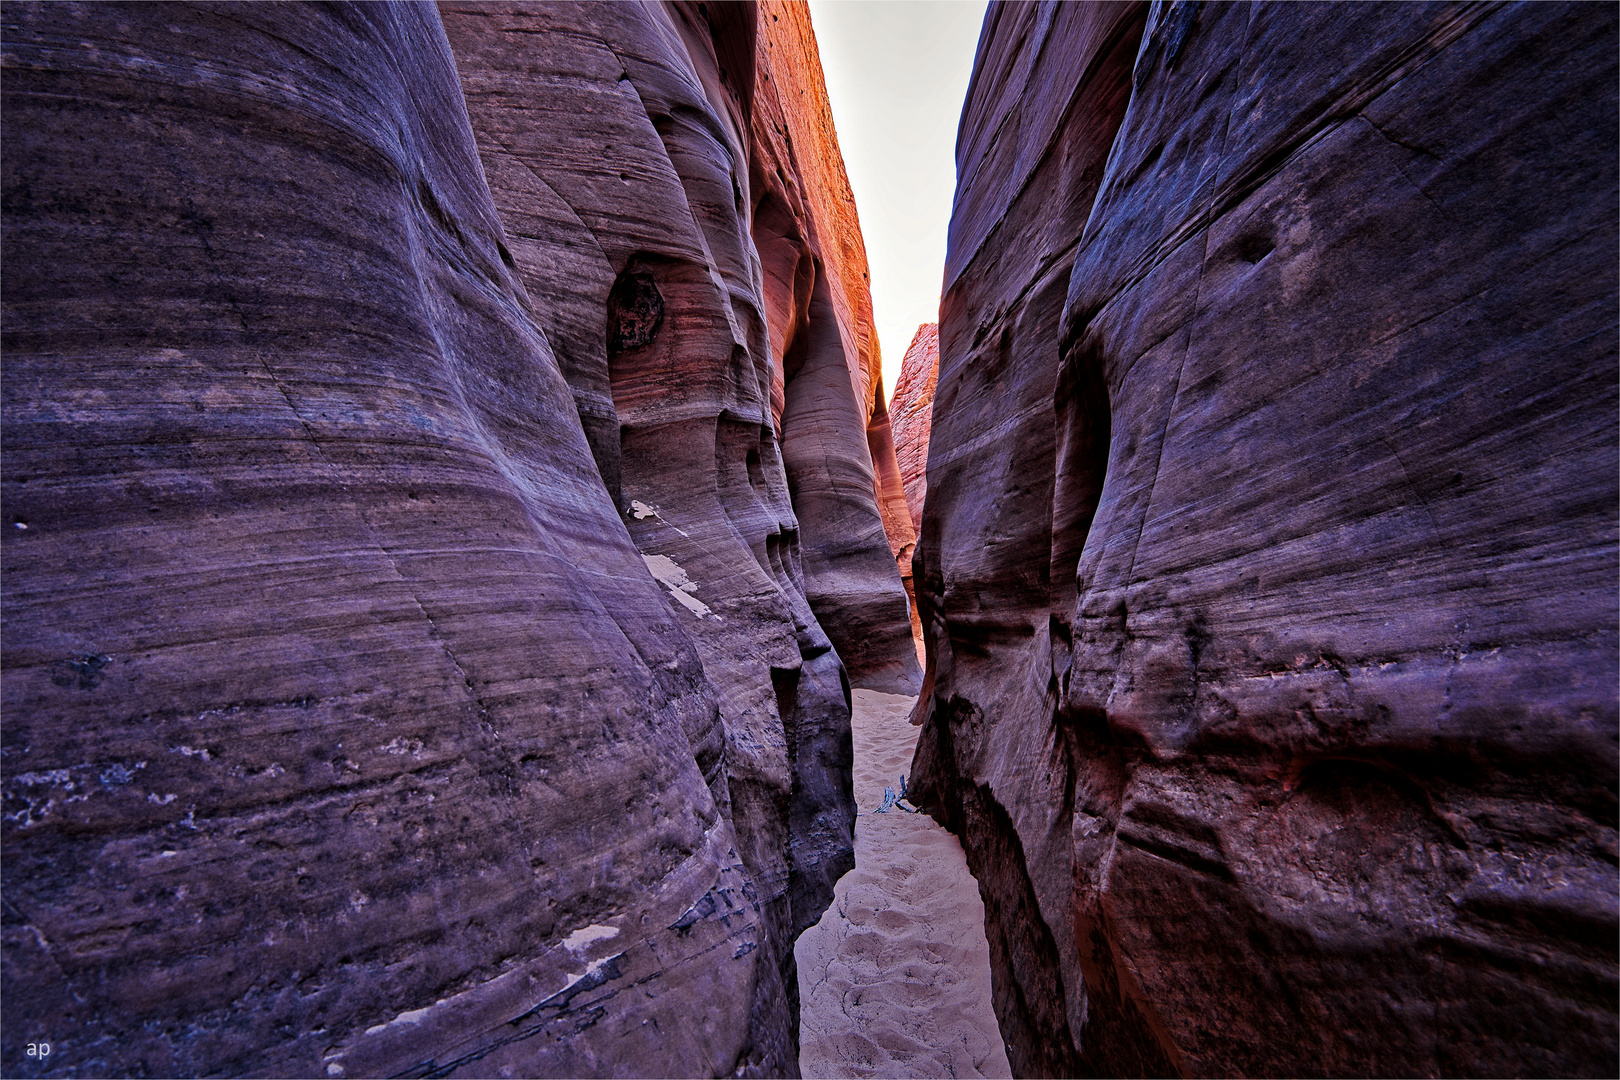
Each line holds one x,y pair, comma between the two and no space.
1268,560
408,662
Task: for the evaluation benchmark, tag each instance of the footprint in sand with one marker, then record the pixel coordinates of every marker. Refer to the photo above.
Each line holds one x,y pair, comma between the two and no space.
894,981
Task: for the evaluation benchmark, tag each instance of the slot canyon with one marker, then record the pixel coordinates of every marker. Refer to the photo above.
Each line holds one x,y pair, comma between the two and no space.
466,584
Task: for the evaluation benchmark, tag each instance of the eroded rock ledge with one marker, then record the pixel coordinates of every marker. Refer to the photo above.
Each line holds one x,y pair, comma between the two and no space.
427,539
1268,558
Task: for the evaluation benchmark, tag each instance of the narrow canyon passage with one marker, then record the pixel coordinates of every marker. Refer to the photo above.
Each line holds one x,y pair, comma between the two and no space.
895,979
449,491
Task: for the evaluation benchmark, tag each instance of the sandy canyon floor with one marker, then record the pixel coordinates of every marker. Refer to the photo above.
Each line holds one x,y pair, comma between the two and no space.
895,978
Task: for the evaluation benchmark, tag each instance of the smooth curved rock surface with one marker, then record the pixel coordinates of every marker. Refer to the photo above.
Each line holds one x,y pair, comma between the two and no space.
1268,561
840,461
913,410
891,490
667,341
403,672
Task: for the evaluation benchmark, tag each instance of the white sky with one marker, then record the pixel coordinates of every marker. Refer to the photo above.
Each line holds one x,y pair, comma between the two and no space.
897,71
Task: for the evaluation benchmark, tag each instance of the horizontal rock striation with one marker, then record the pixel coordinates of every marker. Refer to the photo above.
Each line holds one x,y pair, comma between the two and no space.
913,409
835,439
410,659
1268,560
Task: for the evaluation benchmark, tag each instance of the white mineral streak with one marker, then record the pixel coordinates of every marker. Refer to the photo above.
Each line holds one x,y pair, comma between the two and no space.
409,1016
672,577
580,940
641,512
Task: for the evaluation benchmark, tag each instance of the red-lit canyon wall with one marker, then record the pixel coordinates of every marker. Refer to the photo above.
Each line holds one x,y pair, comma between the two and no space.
418,626
806,231
1268,559
913,410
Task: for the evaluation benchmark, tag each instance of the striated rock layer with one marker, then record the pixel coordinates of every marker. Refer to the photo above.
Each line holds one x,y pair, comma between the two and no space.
840,463
1268,561
721,242
913,409
408,662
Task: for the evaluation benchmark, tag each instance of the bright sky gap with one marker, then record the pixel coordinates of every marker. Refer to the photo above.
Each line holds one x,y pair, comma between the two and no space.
896,72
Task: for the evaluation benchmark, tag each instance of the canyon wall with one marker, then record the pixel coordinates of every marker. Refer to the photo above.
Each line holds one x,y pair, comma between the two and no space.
1268,560
835,440
913,410
419,637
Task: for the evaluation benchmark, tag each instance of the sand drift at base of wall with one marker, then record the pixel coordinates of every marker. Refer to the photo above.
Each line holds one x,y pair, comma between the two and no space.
895,978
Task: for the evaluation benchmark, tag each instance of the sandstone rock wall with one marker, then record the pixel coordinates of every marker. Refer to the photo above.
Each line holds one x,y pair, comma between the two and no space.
913,409
1268,560
408,666
835,442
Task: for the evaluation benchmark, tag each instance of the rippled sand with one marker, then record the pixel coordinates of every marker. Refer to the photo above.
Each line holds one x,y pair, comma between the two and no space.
895,979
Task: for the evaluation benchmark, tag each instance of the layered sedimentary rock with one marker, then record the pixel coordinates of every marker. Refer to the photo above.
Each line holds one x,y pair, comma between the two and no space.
728,204
1268,559
891,491
898,524
408,666
835,443
913,408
